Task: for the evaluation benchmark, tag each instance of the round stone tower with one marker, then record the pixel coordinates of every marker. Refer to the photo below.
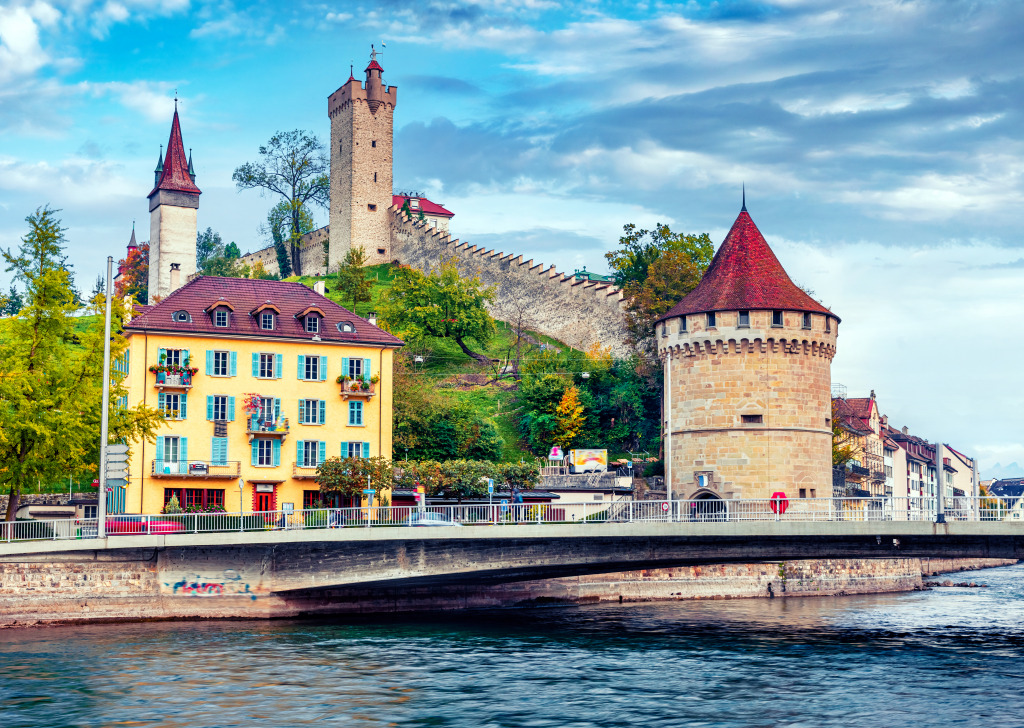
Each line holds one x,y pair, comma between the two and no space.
748,359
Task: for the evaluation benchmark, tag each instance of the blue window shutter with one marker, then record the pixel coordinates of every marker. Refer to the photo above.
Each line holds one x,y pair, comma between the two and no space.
302,411
301,374
298,452
366,449
209,406
159,450
183,449
231,409
321,452
367,363
161,401
183,411
185,357
323,412
277,409
344,450
127,359
277,452
209,363
234,363
255,364
253,449
344,366
323,368
161,357
278,365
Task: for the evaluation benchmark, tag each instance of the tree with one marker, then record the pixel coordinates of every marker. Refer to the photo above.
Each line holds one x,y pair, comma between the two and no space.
134,279
294,165
50,388
349,476
259,272
99,287
13,302
569,419
208,245
352,281
655,269
442,304
845,443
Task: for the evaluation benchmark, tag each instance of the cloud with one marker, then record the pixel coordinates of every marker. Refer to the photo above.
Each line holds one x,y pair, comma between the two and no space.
21,53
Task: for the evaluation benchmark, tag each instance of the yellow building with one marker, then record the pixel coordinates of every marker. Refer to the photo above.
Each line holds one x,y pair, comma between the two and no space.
247,372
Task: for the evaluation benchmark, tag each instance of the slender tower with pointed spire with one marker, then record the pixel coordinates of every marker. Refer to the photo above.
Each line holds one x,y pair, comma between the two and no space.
748,356
173,206
362,119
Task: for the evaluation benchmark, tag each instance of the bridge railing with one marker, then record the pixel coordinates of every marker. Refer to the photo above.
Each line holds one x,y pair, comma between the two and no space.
512,514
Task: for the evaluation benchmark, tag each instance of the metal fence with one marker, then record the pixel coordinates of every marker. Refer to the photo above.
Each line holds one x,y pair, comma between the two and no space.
476,514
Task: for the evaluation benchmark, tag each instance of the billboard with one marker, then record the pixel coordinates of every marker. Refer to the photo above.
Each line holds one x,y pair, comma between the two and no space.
588,461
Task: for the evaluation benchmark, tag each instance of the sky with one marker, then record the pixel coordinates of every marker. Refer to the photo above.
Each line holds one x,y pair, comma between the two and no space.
880,143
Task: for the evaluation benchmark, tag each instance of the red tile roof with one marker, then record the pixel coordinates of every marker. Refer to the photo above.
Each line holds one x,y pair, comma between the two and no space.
428,207
860,406
175,175
245,294
745,275
374,66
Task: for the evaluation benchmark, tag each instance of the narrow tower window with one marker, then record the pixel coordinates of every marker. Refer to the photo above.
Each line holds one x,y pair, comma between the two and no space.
682,324
374,144
753,419
828,325
807,320
743,322
711,320
776,318
374,176
371,208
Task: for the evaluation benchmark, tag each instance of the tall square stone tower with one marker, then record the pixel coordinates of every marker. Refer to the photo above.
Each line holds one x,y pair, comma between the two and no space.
362,120
173,207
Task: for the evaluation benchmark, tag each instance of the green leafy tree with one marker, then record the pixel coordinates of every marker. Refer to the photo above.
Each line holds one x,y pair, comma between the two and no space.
208,245
352,281
349,476
223,261
442,304
13,302
134,281
99,287
569,418
293,165
50,388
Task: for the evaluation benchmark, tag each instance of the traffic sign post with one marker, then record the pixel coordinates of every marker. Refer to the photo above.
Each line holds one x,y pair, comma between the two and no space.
490,498
368,492
101,500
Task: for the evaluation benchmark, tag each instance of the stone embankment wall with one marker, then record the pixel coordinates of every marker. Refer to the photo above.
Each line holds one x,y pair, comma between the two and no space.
96,586
527,294
47,499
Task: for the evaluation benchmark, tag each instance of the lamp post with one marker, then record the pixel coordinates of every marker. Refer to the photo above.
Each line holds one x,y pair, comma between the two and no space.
101,500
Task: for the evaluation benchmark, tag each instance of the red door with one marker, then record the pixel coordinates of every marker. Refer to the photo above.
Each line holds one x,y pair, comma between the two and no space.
264,502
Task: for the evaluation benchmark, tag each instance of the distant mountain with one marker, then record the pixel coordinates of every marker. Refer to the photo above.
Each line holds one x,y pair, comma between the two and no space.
1013,470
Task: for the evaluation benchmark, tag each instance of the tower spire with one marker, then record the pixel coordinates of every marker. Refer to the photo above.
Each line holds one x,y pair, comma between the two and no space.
744,208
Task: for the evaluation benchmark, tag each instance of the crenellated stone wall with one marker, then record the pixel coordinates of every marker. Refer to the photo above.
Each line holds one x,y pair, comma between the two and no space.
537,297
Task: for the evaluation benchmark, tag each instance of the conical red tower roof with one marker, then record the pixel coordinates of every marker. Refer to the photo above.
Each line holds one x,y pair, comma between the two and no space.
745,275
175,177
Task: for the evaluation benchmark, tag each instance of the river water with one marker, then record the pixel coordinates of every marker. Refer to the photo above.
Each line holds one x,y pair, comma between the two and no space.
946,657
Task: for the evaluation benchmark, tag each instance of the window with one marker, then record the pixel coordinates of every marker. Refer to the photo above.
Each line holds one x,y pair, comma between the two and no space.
264,452
313,324
346,328
803,492
220,318
267,410
354,449
381,251
814,493
221,364
219,407
371,208
777,318
664,329
312,369
267,321
309,454
743,321
373,143
171,449
315,499
807,320
181,317
355,414
828,324
753,419
711,320
219,451
355,368
312,411
682,324
172,405
266,366
341,147
374,176
172,357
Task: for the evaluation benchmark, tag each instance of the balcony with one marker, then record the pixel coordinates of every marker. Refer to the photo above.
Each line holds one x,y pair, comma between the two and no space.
266,428
857,471
301,473
355,389
178,381
196,469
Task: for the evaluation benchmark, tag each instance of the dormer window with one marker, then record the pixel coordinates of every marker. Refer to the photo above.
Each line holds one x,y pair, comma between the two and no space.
181,317
312,324
220,318
743,321
346,328
267,321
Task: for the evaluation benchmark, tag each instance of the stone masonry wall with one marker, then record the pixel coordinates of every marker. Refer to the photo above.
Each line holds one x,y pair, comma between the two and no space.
311,255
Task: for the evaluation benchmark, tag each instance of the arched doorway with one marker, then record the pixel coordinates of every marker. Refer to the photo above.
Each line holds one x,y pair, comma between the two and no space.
706,505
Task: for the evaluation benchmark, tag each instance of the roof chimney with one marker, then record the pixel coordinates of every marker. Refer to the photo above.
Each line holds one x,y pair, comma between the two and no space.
175,276
372,318
320,287
906,430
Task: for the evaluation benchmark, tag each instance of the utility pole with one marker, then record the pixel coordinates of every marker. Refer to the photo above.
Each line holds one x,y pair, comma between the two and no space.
101,503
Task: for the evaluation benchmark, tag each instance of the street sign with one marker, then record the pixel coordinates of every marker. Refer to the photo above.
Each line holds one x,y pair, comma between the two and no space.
556,453
664,506
490,485
368,491
117,449
116,483
629,464
288,508
504,504
116,473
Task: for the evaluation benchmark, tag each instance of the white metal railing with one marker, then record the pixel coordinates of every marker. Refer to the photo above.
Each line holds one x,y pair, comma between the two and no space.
791,510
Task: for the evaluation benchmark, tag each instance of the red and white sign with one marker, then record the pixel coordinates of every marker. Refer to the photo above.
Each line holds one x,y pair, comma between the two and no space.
664,506
556,453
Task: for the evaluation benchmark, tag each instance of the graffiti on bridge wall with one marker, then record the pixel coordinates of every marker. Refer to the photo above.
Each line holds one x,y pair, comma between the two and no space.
230,583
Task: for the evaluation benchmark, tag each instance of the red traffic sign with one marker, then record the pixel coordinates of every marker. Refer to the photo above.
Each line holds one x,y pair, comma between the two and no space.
664,506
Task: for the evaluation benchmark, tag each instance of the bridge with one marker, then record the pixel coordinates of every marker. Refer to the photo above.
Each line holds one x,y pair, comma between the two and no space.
282,569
